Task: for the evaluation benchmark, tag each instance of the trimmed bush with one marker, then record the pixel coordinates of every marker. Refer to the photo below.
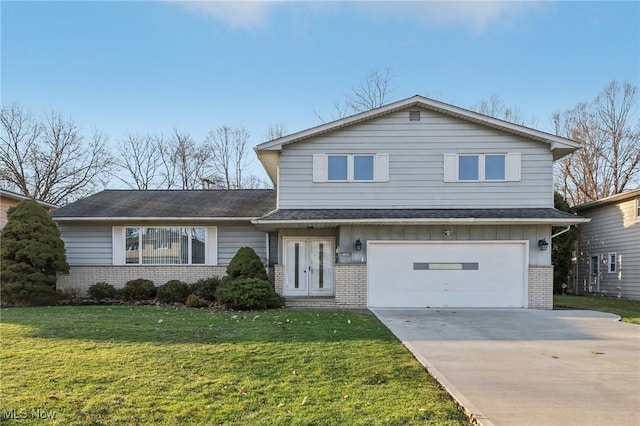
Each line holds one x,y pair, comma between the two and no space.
205,288
194,301
139,289
101,291
248,294
174,291
246,264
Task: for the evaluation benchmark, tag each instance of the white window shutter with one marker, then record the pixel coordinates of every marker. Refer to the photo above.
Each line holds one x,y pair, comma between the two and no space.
513,167
319,168
450,167
382,168
211,245
117,245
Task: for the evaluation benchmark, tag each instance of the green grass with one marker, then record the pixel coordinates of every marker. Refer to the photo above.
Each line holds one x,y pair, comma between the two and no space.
629,310
156,365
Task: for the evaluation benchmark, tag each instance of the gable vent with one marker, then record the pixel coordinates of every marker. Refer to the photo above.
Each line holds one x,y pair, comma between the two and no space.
414,115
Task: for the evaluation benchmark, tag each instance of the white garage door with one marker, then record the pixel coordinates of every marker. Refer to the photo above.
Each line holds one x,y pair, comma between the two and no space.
447,274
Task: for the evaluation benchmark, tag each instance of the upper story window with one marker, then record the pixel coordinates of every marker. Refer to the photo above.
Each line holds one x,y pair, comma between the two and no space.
351,168
481,167
164,245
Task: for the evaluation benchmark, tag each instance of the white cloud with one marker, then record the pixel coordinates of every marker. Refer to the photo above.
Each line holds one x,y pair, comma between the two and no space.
237,14
478,15
475,14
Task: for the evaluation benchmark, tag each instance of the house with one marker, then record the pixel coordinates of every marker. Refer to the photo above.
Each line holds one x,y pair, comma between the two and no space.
417,203
10,199
608,254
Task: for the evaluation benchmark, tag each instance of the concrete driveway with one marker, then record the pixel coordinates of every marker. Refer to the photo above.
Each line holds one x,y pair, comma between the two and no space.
528,367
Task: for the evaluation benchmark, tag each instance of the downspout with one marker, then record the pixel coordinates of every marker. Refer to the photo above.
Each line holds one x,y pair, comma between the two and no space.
561,232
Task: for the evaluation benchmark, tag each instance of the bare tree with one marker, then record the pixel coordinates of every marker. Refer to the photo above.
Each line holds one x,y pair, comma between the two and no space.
184,163
140,159
276,131
48,159
229,154
495,107
609,162
373,92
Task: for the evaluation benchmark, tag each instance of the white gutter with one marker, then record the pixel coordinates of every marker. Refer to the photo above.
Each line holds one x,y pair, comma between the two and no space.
561,232
440,221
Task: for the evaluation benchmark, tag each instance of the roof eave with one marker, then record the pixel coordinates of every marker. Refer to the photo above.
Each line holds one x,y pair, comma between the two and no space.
327,223
148,218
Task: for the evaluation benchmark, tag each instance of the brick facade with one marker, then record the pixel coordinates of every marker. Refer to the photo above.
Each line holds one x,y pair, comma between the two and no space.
81,278
351,285
540,287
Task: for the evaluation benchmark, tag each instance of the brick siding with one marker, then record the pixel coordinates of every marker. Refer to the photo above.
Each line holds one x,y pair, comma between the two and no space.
81,278
540,287
351,285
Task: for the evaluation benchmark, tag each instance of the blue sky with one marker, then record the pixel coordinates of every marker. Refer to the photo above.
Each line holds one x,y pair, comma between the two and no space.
151,66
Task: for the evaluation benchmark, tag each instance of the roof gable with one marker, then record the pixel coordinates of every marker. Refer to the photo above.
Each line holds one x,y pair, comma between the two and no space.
624,196
558,145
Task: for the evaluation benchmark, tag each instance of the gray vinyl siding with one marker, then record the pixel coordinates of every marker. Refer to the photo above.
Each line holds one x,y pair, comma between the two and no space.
92,245
416,166
533,233
231,238
87,244
613,229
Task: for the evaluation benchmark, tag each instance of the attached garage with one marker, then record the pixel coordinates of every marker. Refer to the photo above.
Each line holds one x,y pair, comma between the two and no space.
408,274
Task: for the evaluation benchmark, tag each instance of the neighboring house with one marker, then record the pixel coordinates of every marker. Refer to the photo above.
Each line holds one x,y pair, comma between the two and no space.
414,204
608,255
10,199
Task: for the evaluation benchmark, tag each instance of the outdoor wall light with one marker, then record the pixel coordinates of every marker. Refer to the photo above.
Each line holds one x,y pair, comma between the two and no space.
358,245
543,244
447,232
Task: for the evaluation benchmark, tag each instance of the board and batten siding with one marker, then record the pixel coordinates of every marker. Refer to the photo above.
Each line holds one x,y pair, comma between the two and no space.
231,238
416,152
88,245
533,233
613,229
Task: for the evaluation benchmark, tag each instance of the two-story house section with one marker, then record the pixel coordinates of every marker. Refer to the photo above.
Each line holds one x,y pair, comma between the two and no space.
414,204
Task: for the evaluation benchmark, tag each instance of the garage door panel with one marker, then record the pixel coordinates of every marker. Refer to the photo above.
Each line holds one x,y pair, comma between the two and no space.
446,274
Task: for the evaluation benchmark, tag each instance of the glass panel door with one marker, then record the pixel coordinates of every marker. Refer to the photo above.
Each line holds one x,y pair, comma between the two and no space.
321,268
296,268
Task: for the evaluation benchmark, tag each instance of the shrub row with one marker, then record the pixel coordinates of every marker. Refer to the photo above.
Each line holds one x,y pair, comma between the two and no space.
173,291
245,287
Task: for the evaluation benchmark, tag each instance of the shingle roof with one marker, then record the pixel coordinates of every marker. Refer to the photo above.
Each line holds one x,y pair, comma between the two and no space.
533,214
241,203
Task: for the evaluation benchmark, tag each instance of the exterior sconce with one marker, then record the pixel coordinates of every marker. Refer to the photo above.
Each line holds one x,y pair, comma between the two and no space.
358,245
543,244
447,232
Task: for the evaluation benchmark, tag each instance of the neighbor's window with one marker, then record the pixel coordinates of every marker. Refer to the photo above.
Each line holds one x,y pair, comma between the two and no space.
638,208
165,246
595,265
613,266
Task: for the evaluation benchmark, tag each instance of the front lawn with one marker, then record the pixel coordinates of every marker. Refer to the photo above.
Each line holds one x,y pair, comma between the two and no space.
629,310
133,365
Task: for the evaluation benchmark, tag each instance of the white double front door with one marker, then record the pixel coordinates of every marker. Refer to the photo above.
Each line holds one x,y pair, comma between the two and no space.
308,266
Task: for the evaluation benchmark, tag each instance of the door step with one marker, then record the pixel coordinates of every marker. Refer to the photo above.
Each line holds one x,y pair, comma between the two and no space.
310,302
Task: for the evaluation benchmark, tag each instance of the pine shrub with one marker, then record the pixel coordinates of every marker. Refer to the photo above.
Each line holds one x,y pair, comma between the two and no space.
246,264
248,294
174,291
138,289
102,290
